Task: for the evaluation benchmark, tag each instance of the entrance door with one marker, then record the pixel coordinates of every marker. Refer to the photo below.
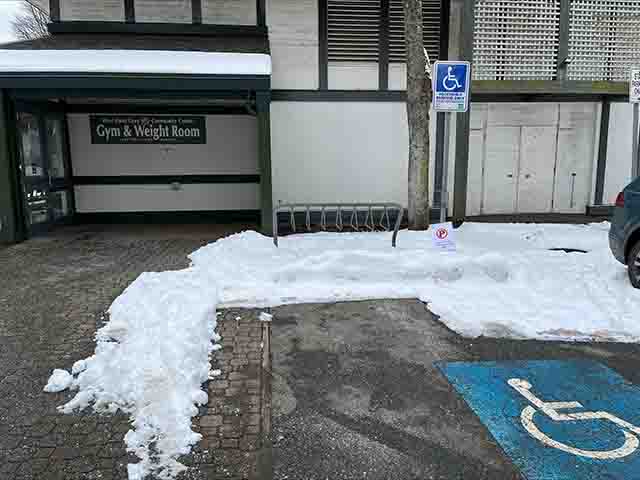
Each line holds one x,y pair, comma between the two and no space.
44,166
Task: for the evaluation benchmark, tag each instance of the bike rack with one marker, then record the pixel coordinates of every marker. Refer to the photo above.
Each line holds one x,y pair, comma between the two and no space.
355,212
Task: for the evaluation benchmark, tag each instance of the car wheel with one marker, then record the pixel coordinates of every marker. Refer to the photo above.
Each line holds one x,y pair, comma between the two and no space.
633,264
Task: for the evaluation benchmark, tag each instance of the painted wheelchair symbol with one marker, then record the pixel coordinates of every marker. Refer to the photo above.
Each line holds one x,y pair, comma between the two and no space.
450,82
550,409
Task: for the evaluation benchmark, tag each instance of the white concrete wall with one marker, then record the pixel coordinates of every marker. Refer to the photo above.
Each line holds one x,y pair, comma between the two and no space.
104,10
229,12
618,170
397,76
162,198
340,152
163,11
352,76
231,148
293,35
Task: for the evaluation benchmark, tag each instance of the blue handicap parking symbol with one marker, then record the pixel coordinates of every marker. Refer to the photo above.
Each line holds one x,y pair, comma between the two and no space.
451,86
557,420
451,77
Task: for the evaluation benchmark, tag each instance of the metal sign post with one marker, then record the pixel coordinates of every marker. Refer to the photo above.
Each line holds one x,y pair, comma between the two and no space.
634,97
451,82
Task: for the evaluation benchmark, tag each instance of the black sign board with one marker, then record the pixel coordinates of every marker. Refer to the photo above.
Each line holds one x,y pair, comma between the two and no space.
148,129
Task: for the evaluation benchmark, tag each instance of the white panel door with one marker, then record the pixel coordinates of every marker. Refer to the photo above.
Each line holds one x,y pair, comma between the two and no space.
573,171
501,170
537,163
474,179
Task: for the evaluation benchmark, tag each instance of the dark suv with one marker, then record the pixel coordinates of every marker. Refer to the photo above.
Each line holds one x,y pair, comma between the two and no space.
624,236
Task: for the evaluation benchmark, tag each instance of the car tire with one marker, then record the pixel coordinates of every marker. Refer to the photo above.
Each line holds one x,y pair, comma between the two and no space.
633,265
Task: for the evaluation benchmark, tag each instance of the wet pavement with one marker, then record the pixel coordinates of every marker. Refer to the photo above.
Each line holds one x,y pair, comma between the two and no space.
357,394
53,292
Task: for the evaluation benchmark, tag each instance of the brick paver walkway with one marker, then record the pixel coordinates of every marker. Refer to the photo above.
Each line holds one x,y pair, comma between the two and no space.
53,291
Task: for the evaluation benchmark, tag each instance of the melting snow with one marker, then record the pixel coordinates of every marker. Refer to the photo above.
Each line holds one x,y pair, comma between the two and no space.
152,357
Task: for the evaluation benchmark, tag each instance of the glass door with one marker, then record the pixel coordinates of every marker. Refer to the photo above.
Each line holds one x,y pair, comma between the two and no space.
57,163
44,164
35,175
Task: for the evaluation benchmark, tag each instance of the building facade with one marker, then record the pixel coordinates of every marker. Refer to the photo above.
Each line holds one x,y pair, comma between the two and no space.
173,110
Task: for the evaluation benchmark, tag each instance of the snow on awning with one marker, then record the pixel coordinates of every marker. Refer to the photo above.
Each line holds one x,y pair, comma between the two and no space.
134,62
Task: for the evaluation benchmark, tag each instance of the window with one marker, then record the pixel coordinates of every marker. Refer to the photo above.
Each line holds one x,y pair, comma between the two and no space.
354,29
431,18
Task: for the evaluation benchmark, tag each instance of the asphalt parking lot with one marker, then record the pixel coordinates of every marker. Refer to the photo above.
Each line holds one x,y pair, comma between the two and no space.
357,393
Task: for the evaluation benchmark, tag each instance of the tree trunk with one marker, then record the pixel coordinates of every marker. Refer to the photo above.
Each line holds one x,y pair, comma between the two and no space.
418,104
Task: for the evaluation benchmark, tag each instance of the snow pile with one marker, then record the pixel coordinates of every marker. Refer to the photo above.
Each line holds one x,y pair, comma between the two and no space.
150,361
60,380
503,281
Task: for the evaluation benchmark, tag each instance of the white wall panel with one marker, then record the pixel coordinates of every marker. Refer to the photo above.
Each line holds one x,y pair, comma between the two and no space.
523,114
161,198
474,178
231,148
501,169
163,11
105,10
536,172
293,36
397,76
229,12
618,171
353,76
339,152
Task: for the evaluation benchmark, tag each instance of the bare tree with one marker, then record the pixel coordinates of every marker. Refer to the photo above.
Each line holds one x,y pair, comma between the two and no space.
31,22
418,105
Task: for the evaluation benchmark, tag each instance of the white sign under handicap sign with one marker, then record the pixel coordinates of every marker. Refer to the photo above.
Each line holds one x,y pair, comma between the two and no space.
442,236
634,87
451,86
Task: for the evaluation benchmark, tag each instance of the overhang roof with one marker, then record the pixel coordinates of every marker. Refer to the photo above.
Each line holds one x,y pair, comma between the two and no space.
136,62
113,41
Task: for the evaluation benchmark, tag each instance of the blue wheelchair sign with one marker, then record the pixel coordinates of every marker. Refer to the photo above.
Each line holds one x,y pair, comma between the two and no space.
560,420
451,86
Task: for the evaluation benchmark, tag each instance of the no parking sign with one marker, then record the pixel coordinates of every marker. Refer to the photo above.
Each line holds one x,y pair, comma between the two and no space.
442,236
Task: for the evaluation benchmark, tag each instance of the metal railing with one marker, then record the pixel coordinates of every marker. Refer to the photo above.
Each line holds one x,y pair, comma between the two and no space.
357,217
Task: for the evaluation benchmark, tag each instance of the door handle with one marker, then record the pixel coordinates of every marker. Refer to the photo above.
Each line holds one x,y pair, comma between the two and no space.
528,175
509,175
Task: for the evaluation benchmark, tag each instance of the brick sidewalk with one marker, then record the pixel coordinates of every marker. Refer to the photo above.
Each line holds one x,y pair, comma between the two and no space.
236,422
53,291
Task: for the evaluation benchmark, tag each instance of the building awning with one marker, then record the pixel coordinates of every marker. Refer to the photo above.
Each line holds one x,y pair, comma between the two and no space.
95,64
134,62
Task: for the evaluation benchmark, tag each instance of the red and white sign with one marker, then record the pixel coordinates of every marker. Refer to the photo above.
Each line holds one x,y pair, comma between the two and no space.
442,236
634,87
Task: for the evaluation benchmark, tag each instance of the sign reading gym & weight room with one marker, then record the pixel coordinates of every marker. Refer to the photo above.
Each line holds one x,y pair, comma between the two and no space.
147,129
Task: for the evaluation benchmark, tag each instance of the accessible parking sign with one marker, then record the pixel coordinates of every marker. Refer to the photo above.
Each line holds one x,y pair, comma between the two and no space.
560,420
451,82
